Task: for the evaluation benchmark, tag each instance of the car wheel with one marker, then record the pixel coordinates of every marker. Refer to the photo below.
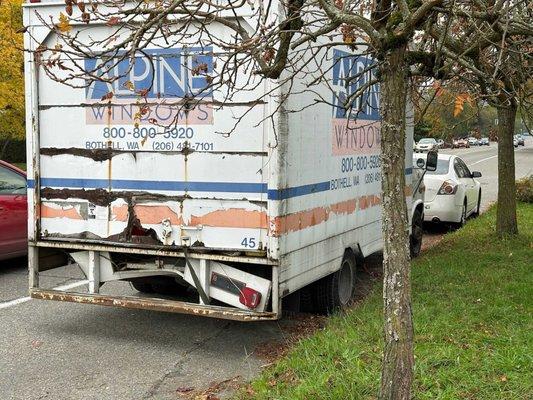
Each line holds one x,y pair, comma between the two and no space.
417,231
336,290
478,208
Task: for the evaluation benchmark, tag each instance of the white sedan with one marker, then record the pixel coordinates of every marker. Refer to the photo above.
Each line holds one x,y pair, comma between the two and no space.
425,145
452,192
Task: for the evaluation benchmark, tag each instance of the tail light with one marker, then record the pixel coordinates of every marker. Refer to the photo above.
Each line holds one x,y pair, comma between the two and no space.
250,297
448,187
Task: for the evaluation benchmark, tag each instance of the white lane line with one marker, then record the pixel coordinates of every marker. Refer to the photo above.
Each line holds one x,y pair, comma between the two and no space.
484,159
15,302
21,300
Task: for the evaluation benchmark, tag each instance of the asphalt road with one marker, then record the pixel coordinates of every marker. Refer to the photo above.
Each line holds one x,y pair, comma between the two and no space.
55,351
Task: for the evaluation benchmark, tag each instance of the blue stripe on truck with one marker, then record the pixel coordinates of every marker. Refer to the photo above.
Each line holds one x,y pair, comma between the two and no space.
282,194
221,187
127,184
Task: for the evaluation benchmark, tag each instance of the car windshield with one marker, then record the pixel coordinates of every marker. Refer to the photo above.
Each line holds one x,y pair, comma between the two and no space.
442,168
427,141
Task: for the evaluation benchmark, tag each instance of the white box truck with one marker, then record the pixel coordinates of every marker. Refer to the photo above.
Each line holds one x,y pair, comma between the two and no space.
131,187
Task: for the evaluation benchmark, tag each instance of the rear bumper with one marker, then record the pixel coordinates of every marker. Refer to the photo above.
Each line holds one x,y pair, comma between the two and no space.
442,209
154,304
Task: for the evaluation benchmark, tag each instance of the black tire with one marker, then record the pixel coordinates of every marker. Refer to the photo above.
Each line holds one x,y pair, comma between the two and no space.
478,208
165,285
336,291
417,232
142,285
306,300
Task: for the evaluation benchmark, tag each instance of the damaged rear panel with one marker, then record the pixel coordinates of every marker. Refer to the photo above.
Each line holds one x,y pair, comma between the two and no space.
117,166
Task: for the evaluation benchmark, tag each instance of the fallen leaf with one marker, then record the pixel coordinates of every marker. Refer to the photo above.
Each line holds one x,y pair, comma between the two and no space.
86,17
107,96
113,21
143,92
129,85
184,389
64,24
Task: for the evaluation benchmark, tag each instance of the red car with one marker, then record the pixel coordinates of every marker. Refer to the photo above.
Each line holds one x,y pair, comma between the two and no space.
13,212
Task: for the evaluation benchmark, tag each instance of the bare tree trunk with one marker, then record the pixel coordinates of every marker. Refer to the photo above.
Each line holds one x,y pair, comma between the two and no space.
398,360
506,223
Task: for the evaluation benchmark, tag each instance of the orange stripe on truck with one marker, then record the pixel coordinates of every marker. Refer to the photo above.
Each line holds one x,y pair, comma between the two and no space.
52,212
230,218
315,216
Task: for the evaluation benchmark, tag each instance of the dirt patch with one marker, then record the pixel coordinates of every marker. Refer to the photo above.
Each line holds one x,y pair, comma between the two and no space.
215,391
433,234
297,327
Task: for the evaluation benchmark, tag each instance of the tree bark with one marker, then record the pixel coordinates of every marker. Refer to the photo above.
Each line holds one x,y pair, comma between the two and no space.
398,359
506,223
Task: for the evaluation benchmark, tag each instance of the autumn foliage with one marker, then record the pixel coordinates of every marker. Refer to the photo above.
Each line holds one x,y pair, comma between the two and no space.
11,71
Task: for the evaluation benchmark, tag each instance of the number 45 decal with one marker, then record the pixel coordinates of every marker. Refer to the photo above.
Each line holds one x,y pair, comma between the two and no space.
249,243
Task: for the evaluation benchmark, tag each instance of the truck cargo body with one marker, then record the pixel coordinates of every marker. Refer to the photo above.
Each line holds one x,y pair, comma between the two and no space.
246,211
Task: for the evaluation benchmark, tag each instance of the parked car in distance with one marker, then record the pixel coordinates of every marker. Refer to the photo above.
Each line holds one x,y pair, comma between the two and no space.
515,141
520,139
472,141
452,192
426,144
484,141
13,212
460,142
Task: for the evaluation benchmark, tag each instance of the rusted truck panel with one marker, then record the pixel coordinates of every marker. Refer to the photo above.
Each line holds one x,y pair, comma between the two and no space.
168,185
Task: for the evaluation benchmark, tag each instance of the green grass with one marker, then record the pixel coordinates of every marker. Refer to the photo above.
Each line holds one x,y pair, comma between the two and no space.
22,166
472,304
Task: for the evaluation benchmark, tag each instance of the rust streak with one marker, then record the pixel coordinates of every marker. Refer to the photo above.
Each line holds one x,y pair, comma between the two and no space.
103,197
153,304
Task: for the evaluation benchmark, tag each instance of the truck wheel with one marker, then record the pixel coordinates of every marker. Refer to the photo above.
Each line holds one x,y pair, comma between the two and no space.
142,285
336,291
417,231
164,285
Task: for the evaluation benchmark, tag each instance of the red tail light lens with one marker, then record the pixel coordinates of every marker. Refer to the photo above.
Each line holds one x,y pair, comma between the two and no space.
250,297
448,187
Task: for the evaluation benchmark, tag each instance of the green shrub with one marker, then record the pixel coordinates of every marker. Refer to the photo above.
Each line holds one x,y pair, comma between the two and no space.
524,189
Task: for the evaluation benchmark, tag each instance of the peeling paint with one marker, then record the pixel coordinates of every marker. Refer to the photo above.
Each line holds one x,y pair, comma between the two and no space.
103,197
